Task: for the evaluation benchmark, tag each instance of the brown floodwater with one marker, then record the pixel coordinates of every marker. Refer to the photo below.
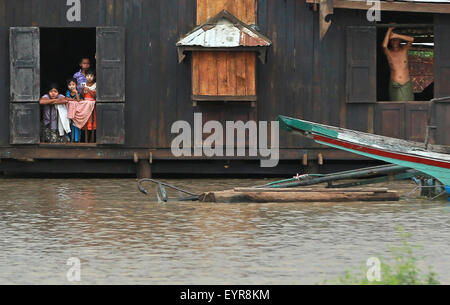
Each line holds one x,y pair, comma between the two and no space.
124,237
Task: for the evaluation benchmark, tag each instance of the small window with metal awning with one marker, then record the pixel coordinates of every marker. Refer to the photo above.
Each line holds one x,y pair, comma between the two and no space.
224,54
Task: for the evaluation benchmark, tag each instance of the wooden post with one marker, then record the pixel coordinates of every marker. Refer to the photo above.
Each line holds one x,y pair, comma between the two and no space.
144,169
305,160
312,168
320,159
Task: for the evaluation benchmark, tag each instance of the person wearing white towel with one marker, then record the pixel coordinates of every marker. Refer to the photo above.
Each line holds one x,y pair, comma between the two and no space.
53,116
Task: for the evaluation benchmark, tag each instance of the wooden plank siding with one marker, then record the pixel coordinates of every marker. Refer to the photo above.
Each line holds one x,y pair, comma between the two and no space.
4,73
151,66
223,73
303,77
442,75
171,96
245,10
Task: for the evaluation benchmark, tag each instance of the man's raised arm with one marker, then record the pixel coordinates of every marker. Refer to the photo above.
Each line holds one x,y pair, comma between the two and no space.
408,39
387,38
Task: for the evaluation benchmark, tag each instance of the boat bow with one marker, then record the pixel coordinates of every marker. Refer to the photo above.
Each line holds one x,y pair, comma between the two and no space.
434,162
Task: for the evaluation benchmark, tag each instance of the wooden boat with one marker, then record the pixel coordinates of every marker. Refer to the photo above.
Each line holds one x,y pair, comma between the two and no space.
433,160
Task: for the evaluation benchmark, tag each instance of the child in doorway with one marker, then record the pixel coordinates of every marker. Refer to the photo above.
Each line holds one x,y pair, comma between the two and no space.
90,94
72,95
80,76
50,114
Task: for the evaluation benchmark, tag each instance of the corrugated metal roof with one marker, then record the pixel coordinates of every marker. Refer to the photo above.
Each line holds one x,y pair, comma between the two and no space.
224,31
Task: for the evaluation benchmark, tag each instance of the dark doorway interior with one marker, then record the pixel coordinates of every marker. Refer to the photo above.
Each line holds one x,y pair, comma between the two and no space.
61,51
420,57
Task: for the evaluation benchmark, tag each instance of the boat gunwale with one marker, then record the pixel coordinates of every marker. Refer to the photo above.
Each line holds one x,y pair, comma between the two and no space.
396,145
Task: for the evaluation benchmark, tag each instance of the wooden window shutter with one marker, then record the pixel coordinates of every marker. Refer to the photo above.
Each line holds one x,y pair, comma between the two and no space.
24,123
110,123
111,85
25,64
24,85
442,56
110,64
442,78
361,64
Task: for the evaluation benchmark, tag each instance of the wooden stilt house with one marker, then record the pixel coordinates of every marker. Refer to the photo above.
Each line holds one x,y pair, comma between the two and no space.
319,60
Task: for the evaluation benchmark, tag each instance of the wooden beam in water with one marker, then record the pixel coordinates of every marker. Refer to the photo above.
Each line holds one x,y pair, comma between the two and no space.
284,197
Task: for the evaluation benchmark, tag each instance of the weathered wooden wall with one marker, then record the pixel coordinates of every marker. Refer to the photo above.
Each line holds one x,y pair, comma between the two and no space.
157,88
243,9
303,77
224,73
170,83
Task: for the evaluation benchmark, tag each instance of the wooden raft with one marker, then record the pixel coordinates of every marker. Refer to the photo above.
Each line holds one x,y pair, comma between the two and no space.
265,195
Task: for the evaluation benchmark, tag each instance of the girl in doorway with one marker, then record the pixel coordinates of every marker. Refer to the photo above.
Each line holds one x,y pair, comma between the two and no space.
72,95
90,94
50,114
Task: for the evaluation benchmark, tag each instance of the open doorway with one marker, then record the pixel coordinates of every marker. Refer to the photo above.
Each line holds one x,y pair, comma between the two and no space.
420,56
60,51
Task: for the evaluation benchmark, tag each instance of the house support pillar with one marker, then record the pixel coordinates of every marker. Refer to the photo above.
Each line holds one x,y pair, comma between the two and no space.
144,169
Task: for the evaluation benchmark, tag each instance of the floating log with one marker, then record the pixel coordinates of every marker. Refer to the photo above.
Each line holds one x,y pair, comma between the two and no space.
232,196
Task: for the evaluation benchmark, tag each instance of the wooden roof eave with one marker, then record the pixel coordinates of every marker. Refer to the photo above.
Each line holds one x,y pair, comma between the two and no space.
327,8
182,50
418,7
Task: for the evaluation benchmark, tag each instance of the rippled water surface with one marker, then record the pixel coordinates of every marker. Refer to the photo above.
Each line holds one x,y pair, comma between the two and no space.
122,236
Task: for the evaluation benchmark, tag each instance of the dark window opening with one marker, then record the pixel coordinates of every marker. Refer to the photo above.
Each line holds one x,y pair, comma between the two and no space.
61,51
420,56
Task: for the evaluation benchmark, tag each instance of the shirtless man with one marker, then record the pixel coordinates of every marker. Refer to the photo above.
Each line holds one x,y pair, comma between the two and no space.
400,85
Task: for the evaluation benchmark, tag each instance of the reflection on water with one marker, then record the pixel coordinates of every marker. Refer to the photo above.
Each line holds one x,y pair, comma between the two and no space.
122,236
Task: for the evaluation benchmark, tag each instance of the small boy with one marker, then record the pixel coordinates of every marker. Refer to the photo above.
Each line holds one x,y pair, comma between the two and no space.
80,76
